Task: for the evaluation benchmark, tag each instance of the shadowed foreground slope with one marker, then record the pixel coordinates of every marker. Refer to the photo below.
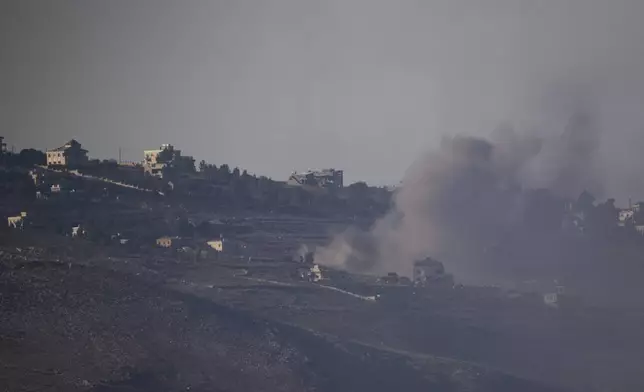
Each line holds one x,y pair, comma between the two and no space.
83,328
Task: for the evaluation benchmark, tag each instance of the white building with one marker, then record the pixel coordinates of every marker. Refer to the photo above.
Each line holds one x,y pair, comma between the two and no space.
625,216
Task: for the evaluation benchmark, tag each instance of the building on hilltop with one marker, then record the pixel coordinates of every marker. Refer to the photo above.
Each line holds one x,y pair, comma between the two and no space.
325,178
71,154
155,162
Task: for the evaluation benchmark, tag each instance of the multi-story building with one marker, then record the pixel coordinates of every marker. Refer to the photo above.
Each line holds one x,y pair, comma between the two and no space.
325,178
156,161
71,154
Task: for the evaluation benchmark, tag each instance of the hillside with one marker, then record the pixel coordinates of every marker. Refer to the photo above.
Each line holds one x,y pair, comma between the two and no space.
82,328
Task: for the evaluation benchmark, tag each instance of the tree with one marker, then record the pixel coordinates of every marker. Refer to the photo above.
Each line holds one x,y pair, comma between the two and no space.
30,157
209,171
236,173
358,188
185,164
603,218
223,174
166,155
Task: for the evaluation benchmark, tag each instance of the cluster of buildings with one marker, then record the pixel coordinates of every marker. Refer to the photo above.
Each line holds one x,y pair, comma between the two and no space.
155,163
73,155
168,160
580,215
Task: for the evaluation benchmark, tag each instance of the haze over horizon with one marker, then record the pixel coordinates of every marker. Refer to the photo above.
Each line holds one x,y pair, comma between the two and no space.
365,86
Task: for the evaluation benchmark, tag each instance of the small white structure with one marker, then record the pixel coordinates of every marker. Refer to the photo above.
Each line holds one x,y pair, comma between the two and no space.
625,216
17,222
77,231
55,188
316,273
35,177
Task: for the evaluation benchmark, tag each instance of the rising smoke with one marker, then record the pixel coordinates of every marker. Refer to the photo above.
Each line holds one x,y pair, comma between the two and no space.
469,194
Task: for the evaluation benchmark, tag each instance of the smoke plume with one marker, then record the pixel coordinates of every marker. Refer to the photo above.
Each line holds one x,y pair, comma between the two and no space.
469,194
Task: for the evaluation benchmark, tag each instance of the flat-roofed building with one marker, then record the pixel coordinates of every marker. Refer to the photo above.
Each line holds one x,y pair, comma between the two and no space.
325,178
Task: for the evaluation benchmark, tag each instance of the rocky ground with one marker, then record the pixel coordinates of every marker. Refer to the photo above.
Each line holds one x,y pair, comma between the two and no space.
70,325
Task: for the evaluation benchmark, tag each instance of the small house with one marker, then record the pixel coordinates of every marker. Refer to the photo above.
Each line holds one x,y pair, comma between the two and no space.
77,231
311,274
390,278
393,278
165,242
217,245
316,273
17,222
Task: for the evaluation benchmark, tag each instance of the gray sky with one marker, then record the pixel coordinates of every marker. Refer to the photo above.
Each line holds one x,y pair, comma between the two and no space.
272,86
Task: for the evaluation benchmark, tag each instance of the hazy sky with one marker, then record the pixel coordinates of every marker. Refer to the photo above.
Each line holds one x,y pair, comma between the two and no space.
278,85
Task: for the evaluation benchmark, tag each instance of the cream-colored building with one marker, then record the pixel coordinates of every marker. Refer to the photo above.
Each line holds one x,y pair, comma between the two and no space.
71,154
164,242
155,161
174,242
217,245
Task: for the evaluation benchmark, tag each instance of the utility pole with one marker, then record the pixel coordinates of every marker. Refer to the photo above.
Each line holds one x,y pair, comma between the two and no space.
119,155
